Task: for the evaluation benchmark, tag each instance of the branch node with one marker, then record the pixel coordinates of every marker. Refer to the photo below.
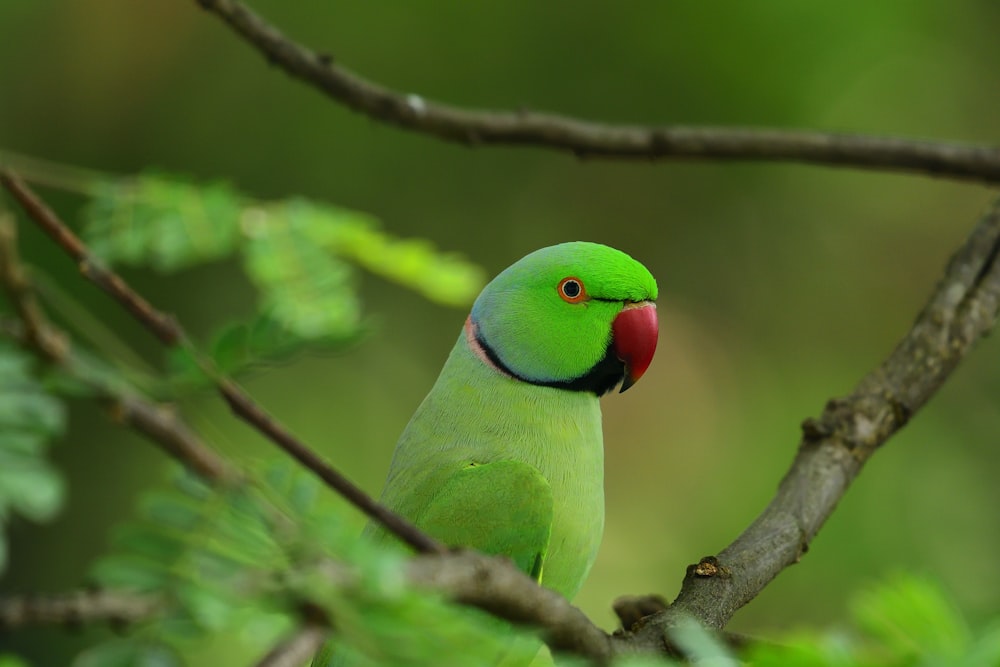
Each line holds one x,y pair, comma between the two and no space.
709,566
416,105
632,609
814,430
901,412
659,143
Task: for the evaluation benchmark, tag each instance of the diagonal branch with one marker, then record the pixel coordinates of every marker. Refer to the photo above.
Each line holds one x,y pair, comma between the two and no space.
583,138
962,309
79,607
171,334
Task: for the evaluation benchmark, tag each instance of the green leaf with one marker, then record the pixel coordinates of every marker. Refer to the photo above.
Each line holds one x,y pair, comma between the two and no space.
163,221
169,222
806,650
24,408
211,610
231,559
130,572
29,418
643,661
265,340
413,263
703,647
906,621
304,287
912,617
183,370
986,649
11,660
207,550
242,347
30,487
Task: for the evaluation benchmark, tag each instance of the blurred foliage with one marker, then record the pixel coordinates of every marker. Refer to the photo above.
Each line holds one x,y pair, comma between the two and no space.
904,621
293,251
242,562
161,221
30,417
9,660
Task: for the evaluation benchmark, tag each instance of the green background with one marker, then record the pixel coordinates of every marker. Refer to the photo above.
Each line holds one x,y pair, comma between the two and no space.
780,284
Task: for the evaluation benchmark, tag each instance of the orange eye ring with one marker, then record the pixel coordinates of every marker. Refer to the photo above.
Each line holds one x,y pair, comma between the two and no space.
571,290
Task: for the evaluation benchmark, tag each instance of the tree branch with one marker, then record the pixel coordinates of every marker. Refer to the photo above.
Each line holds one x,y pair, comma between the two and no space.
491,583
962,309
590,139
118,607
171,334
496,586
162,425
38,333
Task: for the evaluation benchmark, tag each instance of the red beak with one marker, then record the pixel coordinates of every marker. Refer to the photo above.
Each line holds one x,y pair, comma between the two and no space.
633,338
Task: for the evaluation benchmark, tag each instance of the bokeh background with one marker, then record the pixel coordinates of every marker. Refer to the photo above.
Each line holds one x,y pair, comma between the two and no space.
780,284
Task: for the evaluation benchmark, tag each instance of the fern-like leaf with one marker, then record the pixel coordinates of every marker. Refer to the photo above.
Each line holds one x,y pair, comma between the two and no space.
162,221
29,418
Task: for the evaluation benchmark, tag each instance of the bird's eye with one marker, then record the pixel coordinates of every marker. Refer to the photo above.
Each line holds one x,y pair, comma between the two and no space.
571,290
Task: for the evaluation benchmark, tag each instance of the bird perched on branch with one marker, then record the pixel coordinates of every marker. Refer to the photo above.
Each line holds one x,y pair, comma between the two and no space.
506,453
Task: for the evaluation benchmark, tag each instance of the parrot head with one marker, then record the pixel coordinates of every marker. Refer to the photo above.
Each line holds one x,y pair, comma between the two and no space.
576,316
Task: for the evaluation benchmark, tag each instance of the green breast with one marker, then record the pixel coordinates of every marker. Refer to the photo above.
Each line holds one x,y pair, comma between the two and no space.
475,415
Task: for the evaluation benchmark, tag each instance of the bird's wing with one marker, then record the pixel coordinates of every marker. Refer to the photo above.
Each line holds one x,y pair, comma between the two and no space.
504,507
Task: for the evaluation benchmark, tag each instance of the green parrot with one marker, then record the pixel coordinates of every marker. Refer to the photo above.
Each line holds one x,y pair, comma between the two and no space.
506,454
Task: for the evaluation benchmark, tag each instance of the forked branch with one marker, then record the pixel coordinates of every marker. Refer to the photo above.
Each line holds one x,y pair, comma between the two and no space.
962,309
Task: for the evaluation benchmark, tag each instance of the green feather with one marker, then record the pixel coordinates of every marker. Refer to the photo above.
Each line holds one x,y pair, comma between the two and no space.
514,520
473,414
537,334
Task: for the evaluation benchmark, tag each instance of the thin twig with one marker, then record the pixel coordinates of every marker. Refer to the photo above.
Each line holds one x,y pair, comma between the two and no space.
295,650
117,607
38,333
243,407
171,334
161,325
472,127
162,425
962,309
54,174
